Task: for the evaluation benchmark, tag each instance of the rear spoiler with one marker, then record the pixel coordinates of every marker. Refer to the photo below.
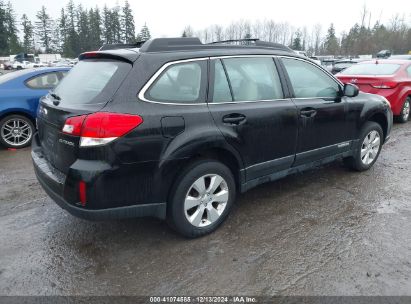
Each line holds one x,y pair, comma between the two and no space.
119,54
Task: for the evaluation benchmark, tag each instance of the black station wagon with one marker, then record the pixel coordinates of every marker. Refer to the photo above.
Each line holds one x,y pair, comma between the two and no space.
176,129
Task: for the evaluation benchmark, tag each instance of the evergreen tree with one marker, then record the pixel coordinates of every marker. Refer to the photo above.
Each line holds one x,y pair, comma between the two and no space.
4,48
331,43
296,45
62,27
144,34
116,24
28,35
71,46
12,31
108,31
95,29
127,24
83,29
44,29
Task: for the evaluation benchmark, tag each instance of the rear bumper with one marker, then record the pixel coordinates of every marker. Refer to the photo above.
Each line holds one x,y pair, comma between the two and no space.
53,182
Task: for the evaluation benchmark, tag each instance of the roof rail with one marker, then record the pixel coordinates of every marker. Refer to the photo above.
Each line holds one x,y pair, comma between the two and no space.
192,43
117,46
254,42
244,41
169,44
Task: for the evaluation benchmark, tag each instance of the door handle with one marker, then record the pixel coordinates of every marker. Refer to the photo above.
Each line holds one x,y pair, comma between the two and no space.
234,119
308,112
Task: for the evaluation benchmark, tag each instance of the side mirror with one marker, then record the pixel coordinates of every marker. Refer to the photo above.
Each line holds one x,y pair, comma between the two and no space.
351,90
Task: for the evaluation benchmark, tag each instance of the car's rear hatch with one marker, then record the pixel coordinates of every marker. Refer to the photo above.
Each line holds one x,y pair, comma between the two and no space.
370,77
369,84
87,88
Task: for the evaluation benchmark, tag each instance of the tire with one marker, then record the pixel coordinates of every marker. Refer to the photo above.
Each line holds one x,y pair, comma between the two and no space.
367,150
405,111
23,128
193,213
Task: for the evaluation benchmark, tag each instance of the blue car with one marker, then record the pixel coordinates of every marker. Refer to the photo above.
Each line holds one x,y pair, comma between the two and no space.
20,92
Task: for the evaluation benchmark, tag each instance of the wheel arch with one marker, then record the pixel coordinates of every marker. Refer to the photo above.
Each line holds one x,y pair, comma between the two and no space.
19,112
213,151
380,119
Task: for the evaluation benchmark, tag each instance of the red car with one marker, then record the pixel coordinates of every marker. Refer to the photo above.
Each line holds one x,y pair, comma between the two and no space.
388,78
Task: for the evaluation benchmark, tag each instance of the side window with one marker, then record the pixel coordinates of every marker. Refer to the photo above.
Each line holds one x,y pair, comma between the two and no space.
409,71
253,79
180,83
222,91
309,81
44,81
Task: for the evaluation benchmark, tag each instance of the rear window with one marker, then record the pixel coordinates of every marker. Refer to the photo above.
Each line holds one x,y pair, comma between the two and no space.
343,65
372,69
92,82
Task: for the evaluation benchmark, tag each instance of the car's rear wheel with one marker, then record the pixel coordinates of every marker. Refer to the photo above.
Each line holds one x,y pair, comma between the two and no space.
201,198
16,131
405,111
368,149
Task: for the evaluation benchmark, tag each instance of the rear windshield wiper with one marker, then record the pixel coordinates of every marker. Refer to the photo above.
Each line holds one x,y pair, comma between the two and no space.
56,100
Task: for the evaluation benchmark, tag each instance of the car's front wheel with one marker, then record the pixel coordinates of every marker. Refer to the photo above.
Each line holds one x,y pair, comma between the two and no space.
368,149
201,198
16,131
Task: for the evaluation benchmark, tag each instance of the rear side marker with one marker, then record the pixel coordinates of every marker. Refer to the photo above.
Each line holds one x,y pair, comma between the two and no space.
100,128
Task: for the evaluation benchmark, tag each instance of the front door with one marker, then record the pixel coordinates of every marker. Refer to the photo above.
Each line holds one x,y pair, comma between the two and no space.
322,128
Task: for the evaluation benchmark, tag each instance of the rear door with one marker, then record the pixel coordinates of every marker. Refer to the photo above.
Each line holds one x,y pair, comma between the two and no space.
86,89
248,105
322,127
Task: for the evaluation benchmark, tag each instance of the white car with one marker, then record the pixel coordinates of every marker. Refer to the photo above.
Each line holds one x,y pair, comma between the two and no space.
17,65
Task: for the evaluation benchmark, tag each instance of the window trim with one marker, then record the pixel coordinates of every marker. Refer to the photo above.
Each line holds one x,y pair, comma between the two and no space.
150,82
280,70
41,75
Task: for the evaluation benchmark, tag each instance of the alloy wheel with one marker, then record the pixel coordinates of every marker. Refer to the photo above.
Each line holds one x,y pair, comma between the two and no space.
406,110
206,200
16,132
370,147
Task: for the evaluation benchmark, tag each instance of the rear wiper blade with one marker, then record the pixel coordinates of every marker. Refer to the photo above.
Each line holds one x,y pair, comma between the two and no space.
55,96
56,100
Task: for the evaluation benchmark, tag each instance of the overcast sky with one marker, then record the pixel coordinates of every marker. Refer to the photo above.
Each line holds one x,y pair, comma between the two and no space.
168,18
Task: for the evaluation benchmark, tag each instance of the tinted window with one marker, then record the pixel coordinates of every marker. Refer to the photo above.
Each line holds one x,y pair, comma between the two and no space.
309,81
409,71
43,81
253,79
180,83
92,81
221,87
372,69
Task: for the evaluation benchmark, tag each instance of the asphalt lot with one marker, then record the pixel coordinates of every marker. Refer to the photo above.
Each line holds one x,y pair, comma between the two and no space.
328,231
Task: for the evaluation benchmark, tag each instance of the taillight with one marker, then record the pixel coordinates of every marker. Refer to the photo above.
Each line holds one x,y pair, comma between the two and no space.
386,85
73,125
100,128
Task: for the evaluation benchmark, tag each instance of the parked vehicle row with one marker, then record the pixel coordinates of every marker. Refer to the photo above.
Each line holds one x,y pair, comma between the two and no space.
178,128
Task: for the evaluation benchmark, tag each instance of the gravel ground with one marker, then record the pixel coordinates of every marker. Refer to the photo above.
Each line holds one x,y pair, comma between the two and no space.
328,231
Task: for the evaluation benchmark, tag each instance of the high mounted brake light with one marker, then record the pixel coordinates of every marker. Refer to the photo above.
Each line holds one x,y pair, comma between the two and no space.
100,128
